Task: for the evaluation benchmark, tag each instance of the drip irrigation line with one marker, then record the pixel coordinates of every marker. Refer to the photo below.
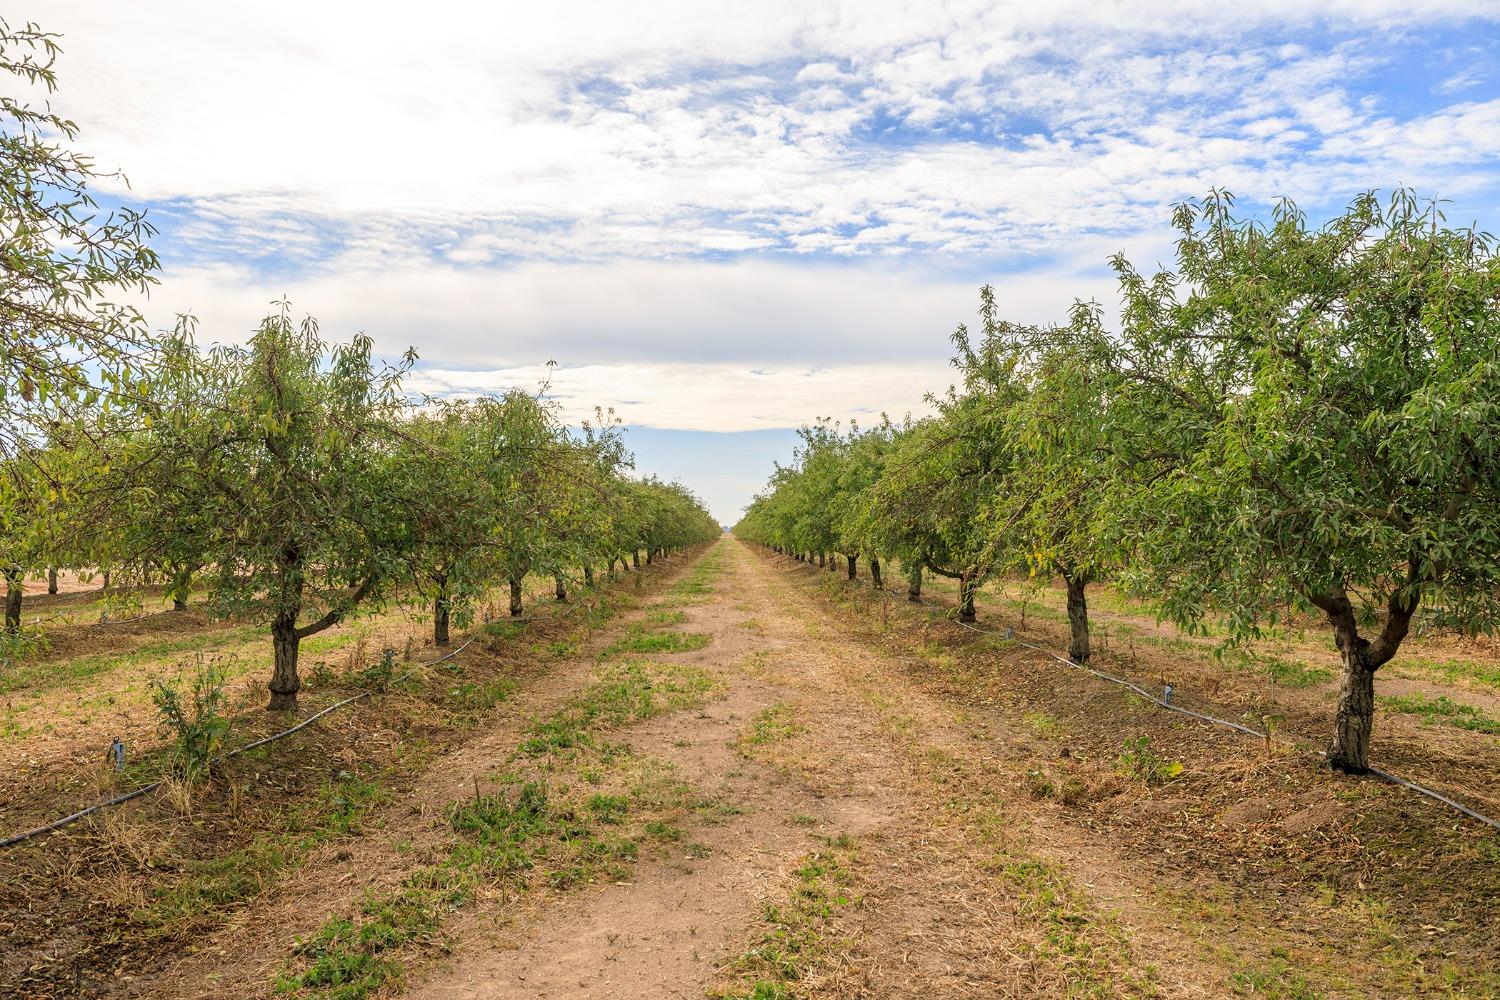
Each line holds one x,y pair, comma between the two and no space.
1242,729
144,789
1394,779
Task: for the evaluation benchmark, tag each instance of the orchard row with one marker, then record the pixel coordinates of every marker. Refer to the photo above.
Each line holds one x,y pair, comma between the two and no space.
1295,420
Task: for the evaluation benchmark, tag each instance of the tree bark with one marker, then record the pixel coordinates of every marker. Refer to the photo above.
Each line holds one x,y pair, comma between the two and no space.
14,591
1078,617
515,597
875,573
1354,719
559,589
914,584
822,560
588,575
635,558
967,584
650,556
52,579
284,680
106,580
440,610
181,583
853,567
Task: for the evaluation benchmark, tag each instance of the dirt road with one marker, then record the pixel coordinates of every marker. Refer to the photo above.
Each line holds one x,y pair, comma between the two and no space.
796,798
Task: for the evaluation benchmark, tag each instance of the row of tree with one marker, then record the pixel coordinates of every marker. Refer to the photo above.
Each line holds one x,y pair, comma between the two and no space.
291,481
1295,420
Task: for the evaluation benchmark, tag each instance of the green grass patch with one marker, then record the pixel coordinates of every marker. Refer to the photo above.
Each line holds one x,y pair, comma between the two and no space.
772,725
582,814
209,887
480,695
1290,673
36,677
1042,724
1483,674
1442,710
645,641
796,935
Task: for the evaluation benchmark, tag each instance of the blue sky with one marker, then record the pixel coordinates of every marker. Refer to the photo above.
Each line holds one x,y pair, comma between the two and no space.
724,220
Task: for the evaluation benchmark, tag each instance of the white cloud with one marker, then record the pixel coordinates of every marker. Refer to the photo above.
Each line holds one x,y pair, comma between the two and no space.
508,183
748,312
713,397
589,131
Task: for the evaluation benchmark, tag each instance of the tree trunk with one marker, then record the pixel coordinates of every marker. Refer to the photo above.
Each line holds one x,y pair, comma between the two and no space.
1354,719
14,591
559,589
822,560
1078,617
966,587
914,584
52,579
181,583
1355,716
853,564
440,621
284,680
106,579
875,573
588,575
515,597
650,556
635,558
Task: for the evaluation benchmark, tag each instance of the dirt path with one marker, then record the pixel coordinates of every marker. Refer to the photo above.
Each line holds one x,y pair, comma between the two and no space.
862,832
812,740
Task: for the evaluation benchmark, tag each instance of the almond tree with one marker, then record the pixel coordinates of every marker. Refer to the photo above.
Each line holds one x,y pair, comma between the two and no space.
66,346
1314,417
308,491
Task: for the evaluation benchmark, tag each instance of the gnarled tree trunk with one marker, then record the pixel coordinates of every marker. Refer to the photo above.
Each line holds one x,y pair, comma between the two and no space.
588,575
635,559
875,573
559,589
1078,617
1354,719
515,597
914,584
52,579
440,621
284,680
14,591
853,566
967,585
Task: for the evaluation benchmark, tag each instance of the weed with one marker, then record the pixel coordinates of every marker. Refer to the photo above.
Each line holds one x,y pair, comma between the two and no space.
1443,710
198,726
1140,761
795,937
772,725
1042,724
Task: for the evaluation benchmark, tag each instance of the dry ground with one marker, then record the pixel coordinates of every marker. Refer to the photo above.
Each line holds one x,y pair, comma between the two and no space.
760,781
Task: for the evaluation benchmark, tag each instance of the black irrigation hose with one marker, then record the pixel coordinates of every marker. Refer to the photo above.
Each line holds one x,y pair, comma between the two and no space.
1394,779
137,793
1246,730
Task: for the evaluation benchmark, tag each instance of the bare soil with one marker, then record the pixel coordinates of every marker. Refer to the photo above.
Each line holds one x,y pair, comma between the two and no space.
993,841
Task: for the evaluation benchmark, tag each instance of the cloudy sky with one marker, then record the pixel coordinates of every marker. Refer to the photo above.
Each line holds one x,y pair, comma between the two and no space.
726,219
